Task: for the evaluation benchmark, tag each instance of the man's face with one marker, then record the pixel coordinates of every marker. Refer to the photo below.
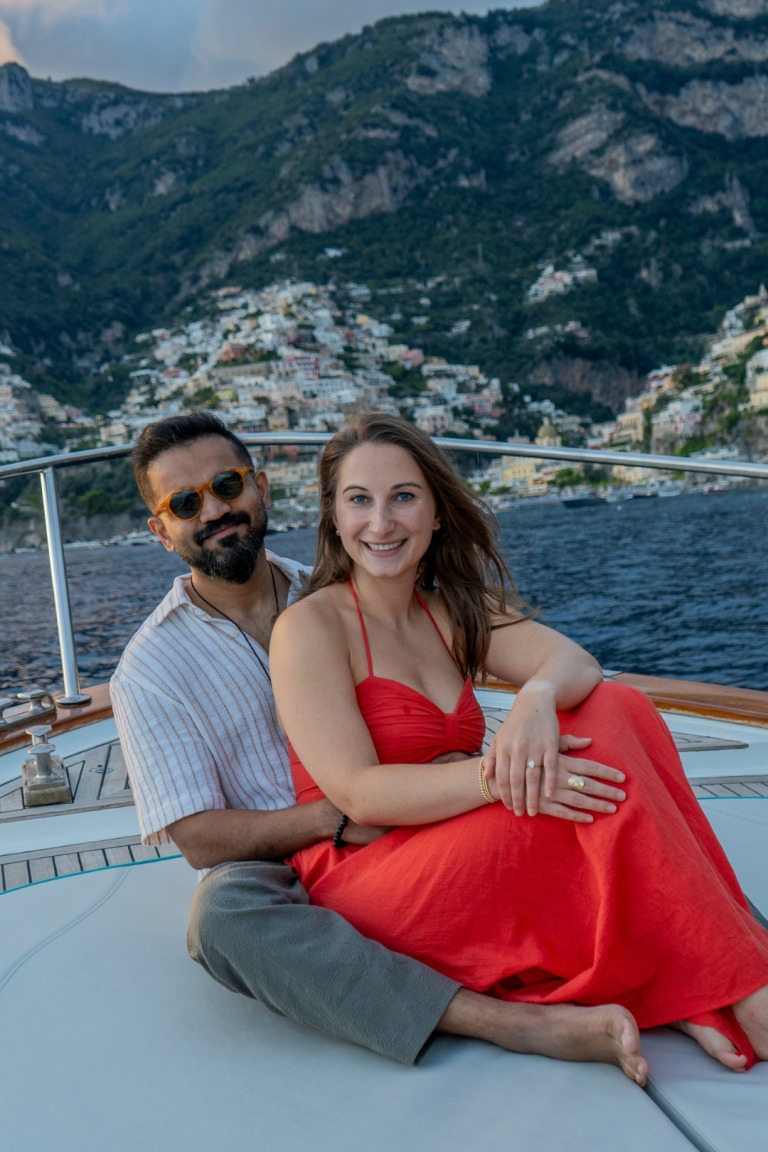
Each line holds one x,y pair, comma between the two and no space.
225,539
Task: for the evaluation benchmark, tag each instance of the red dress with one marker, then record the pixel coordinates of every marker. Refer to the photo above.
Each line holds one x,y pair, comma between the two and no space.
639,908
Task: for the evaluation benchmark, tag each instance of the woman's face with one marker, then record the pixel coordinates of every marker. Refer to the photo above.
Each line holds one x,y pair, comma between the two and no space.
385,510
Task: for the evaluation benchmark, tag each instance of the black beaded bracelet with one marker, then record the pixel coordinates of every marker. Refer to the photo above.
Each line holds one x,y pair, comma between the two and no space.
337,840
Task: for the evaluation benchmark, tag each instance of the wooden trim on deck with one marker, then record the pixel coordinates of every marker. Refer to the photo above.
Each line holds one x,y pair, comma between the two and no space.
100,708
691,697
687,697
24,868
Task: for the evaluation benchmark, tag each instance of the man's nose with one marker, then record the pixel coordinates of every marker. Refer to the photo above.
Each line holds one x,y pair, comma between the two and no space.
212,507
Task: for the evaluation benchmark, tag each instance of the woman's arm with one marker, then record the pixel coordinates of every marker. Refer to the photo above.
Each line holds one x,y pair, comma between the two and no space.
555,674
317,706
316,703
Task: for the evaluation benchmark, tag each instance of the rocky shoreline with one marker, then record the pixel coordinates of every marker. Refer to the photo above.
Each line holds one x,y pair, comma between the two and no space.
27,533
25,536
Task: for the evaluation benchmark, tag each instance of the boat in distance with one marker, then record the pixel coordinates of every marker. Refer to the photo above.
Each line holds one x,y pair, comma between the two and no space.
583,500
113,1036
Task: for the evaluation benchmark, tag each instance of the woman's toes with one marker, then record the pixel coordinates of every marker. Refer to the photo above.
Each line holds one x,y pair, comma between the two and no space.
714,1043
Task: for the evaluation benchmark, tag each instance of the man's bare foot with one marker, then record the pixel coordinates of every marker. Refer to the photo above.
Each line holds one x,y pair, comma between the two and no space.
752,1014
714,1043
607,1034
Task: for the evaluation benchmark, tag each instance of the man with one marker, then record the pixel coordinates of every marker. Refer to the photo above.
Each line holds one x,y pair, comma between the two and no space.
208,765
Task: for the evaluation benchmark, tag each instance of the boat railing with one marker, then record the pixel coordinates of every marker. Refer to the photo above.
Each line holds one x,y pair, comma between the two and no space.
47,466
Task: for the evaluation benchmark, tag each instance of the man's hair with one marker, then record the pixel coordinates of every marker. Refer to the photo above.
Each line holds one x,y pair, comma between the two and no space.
176,432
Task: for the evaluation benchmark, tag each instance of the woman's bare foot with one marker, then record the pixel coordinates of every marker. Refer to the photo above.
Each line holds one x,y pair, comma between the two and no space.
714,1043
607,1034
752,1014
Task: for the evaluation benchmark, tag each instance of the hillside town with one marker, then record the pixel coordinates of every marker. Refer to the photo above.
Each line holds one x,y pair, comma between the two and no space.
303,357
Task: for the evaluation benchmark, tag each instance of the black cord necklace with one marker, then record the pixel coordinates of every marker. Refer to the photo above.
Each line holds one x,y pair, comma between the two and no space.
242,631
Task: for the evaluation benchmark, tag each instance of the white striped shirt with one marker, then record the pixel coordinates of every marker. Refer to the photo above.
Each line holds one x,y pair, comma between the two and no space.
196,715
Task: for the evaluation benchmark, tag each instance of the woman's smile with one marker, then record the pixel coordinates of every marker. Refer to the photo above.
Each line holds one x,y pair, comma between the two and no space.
382,547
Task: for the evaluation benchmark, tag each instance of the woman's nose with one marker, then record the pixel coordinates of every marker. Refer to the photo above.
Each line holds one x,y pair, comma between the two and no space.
381,518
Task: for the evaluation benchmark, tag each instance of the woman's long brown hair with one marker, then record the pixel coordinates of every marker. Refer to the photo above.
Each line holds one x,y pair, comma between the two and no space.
463,560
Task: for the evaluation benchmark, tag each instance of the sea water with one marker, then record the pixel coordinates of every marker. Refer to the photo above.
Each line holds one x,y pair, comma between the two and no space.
666,587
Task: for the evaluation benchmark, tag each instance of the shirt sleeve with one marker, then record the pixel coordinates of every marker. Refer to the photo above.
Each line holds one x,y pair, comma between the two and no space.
172,771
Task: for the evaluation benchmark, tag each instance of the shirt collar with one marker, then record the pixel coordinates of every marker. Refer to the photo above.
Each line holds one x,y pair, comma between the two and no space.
178,597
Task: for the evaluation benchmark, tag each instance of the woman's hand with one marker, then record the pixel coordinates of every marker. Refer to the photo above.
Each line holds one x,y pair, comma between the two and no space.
524,754
600,792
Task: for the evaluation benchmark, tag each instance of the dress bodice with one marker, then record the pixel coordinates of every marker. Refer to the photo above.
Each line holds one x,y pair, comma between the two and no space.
406,727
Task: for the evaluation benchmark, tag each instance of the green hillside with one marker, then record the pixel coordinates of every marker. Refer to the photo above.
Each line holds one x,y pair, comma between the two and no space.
449,158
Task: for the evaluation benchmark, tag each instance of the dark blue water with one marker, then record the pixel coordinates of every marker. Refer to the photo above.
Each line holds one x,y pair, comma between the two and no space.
668,587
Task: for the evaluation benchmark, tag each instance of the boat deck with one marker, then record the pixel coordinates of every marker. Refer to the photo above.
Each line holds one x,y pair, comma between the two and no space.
99,780
17,870
173,1034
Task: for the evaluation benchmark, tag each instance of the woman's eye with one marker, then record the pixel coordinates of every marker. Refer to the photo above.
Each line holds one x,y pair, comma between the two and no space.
404,497
358,499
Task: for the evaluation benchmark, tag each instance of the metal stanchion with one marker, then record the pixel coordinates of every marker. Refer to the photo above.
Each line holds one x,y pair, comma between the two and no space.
72,694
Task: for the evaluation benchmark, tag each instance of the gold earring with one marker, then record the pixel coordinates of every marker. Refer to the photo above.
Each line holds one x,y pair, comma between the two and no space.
436,524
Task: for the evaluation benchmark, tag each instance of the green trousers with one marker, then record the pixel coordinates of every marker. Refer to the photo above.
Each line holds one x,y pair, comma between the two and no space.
254,930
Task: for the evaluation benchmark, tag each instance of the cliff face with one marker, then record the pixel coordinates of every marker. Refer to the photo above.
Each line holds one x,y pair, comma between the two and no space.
463,150
15,89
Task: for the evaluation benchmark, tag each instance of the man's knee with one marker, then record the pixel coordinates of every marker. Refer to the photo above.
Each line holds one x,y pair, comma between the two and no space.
233,899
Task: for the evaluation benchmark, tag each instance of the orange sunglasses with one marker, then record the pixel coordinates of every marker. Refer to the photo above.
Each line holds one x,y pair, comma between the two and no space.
185,503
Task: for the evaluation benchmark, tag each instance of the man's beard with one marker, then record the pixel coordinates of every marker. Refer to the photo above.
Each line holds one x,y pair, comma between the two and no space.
234,557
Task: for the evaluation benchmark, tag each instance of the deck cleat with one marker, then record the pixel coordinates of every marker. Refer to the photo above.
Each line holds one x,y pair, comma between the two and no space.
44,779
25,706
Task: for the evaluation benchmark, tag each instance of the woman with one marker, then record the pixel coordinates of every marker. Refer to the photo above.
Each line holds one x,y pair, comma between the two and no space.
600,898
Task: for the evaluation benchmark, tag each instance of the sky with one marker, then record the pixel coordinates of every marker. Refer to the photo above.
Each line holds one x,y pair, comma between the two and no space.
187,45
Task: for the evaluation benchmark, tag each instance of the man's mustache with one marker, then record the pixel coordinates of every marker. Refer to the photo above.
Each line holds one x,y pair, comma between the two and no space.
229,519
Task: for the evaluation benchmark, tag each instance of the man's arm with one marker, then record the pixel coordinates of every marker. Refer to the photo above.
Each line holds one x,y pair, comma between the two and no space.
178,790
215,837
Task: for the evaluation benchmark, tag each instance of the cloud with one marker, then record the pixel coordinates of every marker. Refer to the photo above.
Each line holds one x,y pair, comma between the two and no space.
141,43
50,10
172,45
8,50
238,36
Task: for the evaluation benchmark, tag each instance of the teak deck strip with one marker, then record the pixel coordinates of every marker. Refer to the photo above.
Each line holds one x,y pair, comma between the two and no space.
97,777
686,696
99,780
684,741
33,867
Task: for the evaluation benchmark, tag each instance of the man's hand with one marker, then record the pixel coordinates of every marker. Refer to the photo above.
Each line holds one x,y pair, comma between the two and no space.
218,836
362,834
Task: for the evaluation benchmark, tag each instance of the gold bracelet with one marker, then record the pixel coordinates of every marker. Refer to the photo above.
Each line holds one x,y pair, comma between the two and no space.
484,783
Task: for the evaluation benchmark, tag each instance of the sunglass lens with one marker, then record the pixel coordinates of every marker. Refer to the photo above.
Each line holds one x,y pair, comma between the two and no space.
186,504
227,485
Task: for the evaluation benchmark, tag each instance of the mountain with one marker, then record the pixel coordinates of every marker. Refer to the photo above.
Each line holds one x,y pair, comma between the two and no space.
568,195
